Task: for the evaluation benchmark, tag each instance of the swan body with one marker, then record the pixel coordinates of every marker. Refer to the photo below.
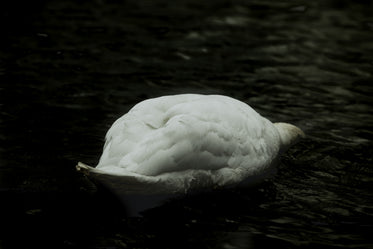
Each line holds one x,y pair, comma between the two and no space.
180,143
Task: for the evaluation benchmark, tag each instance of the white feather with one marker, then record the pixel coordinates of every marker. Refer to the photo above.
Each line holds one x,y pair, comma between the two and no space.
174,144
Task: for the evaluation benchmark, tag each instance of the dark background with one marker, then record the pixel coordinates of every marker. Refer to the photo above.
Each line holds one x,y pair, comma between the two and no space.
68,69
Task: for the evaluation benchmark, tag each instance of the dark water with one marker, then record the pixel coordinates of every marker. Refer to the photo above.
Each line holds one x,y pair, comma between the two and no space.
69,69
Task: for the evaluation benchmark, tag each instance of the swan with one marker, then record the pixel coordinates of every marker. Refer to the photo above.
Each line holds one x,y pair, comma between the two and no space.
180,143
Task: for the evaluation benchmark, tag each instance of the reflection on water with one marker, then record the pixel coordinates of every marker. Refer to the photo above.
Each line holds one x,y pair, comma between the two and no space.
68,70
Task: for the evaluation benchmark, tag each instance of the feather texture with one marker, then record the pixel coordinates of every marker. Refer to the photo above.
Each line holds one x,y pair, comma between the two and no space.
178,143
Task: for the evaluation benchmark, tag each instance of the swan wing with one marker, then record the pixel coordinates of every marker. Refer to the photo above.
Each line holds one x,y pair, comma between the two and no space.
189,132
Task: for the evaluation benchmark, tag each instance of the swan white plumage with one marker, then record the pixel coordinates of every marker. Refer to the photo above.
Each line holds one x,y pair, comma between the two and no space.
180,143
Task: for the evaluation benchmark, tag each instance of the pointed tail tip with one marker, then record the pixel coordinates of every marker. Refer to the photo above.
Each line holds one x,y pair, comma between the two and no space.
84,168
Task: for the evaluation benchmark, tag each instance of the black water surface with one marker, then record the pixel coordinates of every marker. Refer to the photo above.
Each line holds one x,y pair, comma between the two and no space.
68,69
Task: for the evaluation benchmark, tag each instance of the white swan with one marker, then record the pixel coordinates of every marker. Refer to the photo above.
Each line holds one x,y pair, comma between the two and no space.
180,143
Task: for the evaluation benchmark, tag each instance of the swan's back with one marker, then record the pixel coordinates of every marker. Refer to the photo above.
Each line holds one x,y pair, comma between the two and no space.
175,144
190,132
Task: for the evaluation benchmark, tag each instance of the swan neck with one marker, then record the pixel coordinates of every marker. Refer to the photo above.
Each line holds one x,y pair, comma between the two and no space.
289,134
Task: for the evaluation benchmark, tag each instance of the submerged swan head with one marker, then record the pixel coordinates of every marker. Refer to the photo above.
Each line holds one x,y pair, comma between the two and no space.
289,134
